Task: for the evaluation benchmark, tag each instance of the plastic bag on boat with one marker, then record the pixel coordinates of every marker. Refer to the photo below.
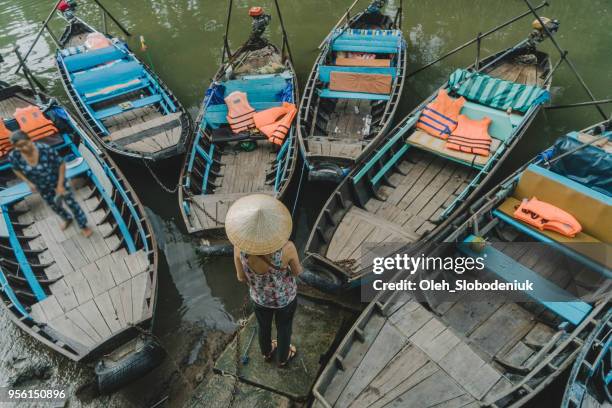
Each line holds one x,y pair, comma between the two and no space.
589,166
96,41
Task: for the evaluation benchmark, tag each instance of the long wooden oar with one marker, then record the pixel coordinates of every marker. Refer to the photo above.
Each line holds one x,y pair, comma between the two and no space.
27,54
344,16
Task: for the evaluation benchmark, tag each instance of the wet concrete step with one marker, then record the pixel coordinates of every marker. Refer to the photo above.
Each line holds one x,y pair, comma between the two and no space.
314,329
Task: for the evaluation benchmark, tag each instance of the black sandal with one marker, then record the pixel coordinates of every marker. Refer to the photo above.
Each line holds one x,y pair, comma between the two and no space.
274,347
292,354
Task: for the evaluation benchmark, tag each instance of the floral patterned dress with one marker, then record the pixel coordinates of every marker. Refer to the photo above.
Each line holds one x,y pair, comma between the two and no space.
274,289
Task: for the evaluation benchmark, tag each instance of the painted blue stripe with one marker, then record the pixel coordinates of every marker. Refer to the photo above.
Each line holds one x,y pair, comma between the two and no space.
601,269
208,166
571,184
8,291
326,93
280,159
24,265
397,156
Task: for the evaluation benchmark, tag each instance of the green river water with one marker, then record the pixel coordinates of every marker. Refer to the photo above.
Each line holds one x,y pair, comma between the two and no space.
200,300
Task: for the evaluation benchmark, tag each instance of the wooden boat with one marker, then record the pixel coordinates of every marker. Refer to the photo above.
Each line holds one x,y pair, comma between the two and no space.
410,185
85,298
345,110
589,384
494,350
219,167
123,102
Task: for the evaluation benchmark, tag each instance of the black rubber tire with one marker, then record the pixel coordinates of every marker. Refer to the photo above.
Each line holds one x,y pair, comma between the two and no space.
327,172
113,376
321,279
216,250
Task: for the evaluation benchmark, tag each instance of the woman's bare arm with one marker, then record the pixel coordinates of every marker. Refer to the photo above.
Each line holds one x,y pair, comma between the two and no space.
238,264
294,259
24,178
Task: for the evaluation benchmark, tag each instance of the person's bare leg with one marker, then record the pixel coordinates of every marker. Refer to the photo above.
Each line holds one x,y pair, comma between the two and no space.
86,232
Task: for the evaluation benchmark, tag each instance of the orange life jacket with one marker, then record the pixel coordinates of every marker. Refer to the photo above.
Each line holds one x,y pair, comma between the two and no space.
239,112
545,216
276,122
32,121
439,118
471,136
5,143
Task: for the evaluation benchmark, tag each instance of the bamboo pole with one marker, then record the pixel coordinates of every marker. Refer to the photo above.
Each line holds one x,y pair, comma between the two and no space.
226,49
344,16
27,54
285,38
125,30
564,54
28,75
472,41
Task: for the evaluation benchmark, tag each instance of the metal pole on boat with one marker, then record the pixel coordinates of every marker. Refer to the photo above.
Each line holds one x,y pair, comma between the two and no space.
285,38
580,104
564,54
226,49
28,75
125,30
400,11
104,25
472,41
27,54
478,43
344,16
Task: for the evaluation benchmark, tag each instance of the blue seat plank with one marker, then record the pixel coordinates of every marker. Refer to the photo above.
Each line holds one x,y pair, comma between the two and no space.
88,82
259,89
326,70
574,311
326,93
363,47
217,114
90,59
135,104
390,38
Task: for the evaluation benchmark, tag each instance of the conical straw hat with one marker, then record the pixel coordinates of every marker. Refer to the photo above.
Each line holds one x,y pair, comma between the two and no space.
258,224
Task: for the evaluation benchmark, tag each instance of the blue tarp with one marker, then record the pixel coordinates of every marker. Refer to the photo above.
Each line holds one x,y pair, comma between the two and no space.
590,166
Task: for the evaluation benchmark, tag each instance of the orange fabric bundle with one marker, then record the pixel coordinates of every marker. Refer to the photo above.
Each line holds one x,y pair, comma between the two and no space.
360,62
545,216
439,118
276,122
471,136
356,82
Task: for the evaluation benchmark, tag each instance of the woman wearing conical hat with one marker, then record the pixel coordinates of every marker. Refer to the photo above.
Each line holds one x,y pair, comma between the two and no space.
259,226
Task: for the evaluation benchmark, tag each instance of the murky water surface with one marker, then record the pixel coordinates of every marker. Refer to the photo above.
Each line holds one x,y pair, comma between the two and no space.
200,300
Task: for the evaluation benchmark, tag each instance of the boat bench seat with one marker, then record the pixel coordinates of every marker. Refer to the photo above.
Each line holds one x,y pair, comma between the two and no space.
375,42
21,190
93,58
326,70
264,89
327,93
117,79
502,123
551,296
588,206
216,115
135,104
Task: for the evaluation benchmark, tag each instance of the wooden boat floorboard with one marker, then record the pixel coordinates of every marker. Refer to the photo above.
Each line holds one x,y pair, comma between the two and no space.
86,304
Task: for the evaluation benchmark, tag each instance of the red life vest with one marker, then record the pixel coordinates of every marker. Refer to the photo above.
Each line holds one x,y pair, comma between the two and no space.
439,118
545,216
32,121
276,122
239,112
471,136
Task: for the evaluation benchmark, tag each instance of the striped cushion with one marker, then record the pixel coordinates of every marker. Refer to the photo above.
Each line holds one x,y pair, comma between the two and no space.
495,92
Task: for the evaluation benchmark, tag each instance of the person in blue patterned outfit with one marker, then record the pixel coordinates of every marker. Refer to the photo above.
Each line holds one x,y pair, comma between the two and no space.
44,170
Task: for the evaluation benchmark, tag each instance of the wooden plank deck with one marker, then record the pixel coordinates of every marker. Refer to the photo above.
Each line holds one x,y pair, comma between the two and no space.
348,120
410,208
519,73
99,292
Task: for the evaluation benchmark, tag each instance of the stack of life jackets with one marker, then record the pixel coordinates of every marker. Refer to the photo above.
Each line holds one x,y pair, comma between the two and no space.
441,119
274,122
471,136
545,216
32,121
